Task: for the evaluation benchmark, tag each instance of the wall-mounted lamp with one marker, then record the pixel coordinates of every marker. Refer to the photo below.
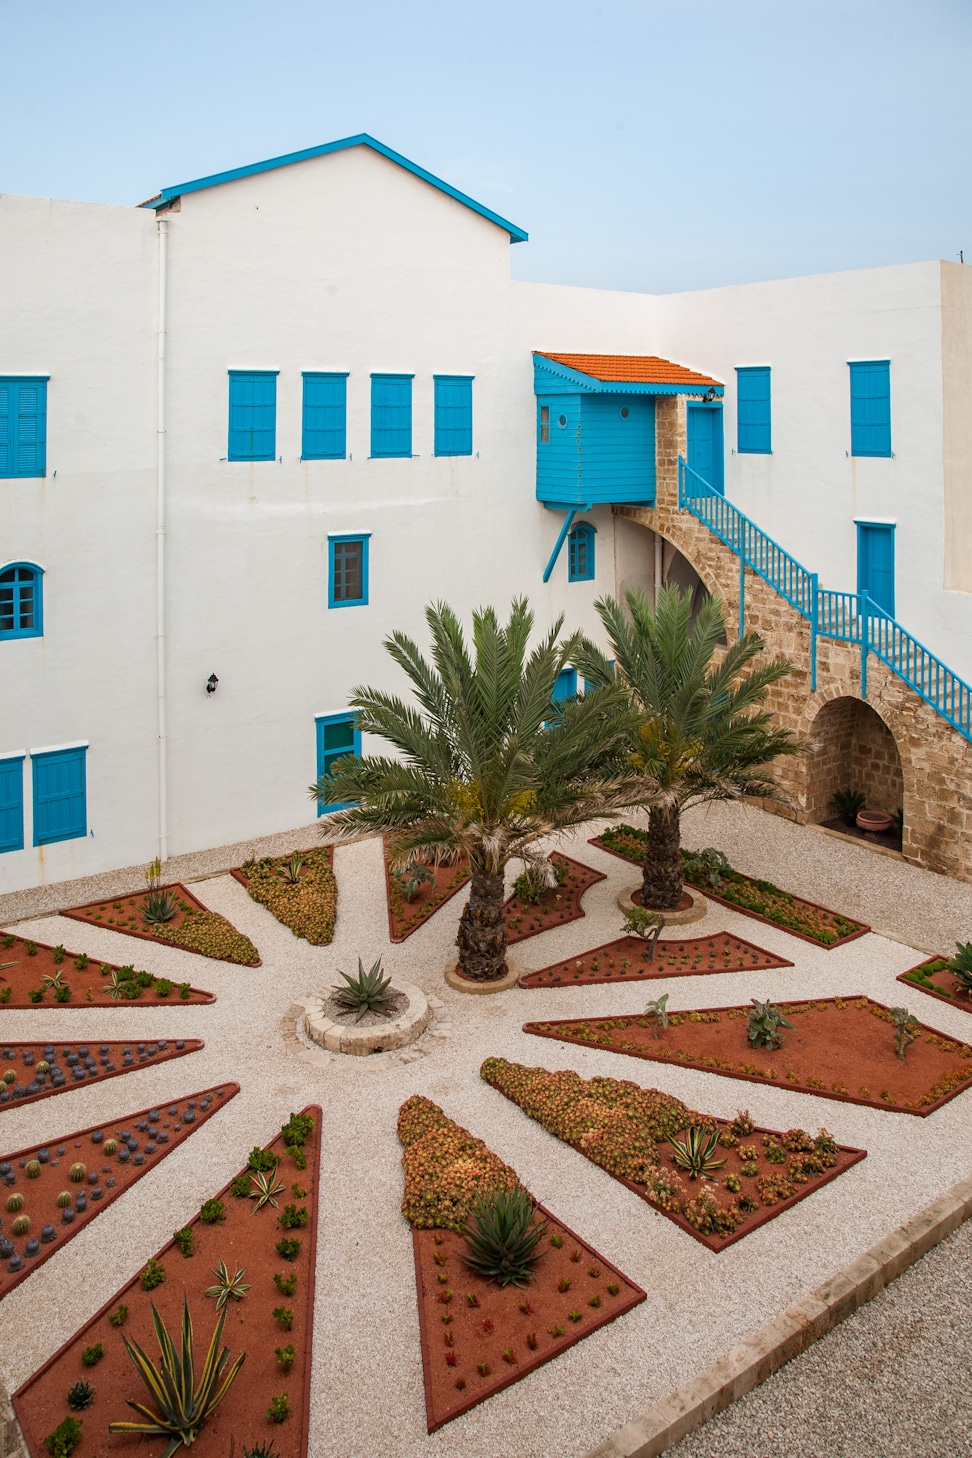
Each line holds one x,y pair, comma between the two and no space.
709,396
211,683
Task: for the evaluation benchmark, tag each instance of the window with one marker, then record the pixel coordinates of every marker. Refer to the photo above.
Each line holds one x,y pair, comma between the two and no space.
21,601
580,553
453,415
875,562
336,735
325,418
565,685
60,812
870,382
753,411
23,425
544,424
252,415
347,575
12,803
391,415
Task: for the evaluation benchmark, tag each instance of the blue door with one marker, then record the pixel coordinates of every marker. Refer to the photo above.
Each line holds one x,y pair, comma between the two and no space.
705,444
336,736
875,563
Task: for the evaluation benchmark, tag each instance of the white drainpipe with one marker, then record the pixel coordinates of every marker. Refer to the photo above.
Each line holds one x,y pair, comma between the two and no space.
659,565
160,547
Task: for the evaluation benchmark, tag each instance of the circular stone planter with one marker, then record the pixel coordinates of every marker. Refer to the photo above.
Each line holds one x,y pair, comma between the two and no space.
379,1037
695,910
876,822
501,984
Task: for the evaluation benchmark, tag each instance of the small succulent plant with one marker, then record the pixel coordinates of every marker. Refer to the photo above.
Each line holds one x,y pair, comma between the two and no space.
227,1287
410,878
657,1010
64,1199
285,1357
285,1316
290,870
212,1211
21,1225
265,1188
260,1450
184,1240
286,1285
293,1218
32,1169
110,1147
695,1152
765,1022
160,906
64,1439
279,1409
709,865
119,1316
15,1202
91,1356
53,979
289,1248
369,991
906,1027
502,1236
80,1395
77,1173
153,1274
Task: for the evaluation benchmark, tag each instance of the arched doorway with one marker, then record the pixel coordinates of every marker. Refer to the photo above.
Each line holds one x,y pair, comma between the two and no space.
646,558
852,749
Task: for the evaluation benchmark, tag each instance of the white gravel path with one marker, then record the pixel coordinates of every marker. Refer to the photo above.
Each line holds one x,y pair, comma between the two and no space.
368,1396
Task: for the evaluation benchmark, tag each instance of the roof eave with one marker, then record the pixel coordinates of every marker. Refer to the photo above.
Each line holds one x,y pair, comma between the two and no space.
593,386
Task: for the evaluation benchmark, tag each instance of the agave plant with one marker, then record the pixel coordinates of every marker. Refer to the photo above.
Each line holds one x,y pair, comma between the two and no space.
905,1026
290,870
54,980
183,1405
228,1287
694,1152
502,1237
960,965
265,1188
369,991
708,865
765,1022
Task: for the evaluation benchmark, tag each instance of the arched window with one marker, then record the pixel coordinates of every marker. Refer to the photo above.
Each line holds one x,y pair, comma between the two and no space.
580,553
21,601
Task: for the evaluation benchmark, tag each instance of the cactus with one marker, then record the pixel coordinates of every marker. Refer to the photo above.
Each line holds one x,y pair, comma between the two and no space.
15,1203
80,1395
64,1199
10,1076
77,1173
110,1147
21,1225
42,1066
33,1169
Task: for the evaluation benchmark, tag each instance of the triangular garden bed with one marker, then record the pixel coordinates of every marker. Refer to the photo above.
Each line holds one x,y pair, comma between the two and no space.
193,928
629,960
405,917
29,967
42,1069
932,976
307,906
241,1239
839,1048
556,907
63,1165
478,1337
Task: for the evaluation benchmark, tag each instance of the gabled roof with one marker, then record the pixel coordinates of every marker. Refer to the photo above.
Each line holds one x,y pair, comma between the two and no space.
169,194
644,370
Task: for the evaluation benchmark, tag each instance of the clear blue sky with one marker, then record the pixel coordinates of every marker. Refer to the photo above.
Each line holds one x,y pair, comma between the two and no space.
654,146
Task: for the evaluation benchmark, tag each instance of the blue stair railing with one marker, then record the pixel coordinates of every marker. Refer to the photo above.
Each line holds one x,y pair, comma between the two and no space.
851,617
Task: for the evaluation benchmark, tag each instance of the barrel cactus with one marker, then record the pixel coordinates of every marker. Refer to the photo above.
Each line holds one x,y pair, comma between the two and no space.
10,1076
33,1169
42,1066
21,1225
14,1203
110,1147
63,1200
77,1173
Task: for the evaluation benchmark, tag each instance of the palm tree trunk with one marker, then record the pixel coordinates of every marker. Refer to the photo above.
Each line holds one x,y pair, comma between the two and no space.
482,928
661,883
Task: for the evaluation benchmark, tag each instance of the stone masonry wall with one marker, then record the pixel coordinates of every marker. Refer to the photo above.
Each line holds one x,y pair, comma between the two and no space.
852,749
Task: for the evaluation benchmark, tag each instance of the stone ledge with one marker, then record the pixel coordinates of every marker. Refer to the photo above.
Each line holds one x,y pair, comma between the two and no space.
379,1038
695,912
757,1358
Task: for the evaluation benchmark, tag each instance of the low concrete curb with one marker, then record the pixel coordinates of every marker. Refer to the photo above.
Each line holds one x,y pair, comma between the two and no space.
757,1358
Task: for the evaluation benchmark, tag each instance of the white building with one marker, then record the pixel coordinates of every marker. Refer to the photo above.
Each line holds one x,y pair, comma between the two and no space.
257,423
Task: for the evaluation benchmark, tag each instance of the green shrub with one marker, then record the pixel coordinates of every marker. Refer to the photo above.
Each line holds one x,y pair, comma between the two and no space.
64,1439
91,1356
212,1211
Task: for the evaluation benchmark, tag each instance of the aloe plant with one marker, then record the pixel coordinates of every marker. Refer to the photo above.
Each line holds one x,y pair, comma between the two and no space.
695,1152
960,965
159,906
367,992
183,1404
765,1022
290,870
502,1237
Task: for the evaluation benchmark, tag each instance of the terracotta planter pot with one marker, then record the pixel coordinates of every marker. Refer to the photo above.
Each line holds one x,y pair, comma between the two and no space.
878,822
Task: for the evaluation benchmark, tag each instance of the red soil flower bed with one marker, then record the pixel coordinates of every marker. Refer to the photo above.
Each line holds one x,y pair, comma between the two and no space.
934,978
840,1048
405,917
71,1065
556,907
627,960
479,1337
309,906
152,1134
193,928
240,1239
747,894
91,985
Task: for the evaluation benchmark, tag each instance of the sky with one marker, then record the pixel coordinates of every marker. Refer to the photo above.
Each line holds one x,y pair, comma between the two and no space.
643,145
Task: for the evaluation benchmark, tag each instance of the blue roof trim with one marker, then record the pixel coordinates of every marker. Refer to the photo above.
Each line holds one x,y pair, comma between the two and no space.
549,377
168,194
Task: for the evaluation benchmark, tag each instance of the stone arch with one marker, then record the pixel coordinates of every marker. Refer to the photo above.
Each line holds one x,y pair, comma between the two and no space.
677,568
852,747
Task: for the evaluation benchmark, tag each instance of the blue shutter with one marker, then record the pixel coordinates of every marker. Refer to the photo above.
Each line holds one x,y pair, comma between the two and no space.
12,804
870,382
23,427
336,735
252,415
753,435
391,415
60,811
565,685
325,418
453,415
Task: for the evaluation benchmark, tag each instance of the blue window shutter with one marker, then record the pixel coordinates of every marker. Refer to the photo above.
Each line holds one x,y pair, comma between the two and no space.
324,436
580,553
753,434
252,415
870,382
8,395
336,735
23,427
391,415
21,601
565,685
11,804
453,415
60,811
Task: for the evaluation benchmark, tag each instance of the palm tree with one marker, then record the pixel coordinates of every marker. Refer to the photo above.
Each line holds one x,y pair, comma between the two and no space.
489,764
696,732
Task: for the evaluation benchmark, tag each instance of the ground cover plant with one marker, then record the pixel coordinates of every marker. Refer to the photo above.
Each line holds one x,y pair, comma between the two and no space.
415,891
33,972
753,897
51,1191
536,906
30,1071
503,1285
949,978
299,890
629,960
225,1279
718,1179
840,1048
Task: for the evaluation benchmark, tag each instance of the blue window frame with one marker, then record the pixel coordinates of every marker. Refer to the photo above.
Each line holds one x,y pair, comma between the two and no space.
391,415
21,600
252,415
875,562
60,810
12,803
324,436
336,735
870,390
753,433
347,570
453,415
23,425
580,553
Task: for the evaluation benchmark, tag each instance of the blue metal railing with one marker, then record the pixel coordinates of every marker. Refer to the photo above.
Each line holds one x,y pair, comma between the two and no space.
848,616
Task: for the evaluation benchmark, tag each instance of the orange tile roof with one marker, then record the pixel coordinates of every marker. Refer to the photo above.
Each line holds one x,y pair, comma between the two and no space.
631,369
